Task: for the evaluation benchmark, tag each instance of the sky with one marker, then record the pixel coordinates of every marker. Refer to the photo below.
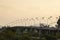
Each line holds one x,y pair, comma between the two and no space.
11,10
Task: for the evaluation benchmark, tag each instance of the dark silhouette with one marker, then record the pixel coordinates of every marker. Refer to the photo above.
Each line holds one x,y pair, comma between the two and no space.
58,22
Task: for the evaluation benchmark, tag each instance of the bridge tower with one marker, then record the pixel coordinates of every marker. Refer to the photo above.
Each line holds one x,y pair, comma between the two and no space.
58,22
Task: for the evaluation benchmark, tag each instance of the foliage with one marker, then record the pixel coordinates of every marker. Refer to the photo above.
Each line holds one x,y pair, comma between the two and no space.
11,34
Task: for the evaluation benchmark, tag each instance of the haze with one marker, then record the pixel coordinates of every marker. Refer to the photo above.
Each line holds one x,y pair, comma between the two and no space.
13,9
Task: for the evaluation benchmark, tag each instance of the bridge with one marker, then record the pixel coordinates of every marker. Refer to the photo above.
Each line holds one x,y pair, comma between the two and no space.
33,21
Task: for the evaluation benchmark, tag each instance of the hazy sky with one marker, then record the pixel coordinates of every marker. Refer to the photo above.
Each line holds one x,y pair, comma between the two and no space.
14,9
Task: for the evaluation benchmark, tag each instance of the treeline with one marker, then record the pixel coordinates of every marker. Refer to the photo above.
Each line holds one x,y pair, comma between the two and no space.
17,33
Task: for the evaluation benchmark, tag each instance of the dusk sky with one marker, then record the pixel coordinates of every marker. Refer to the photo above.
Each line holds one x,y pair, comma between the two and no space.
11,10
